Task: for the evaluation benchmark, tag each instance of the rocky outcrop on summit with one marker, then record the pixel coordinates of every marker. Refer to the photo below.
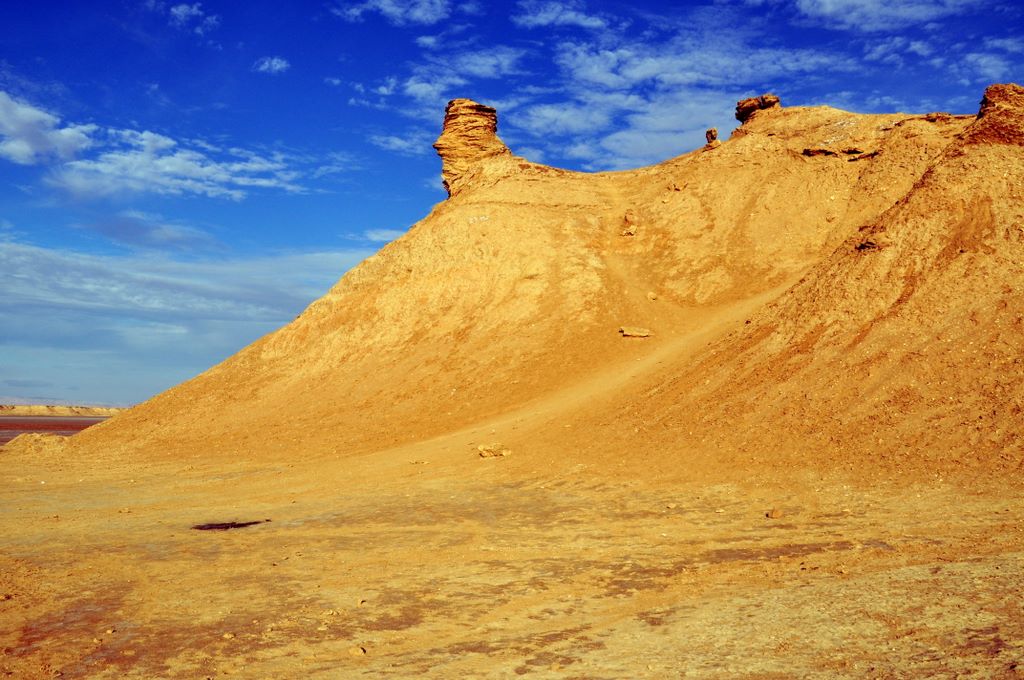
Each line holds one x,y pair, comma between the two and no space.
1000,117
469,135
745,108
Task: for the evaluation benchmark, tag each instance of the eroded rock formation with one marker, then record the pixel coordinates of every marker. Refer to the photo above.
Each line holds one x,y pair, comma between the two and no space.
745,108
1001,116
469,135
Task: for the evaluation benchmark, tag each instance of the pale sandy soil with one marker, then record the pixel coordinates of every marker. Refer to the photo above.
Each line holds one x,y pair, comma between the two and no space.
460,566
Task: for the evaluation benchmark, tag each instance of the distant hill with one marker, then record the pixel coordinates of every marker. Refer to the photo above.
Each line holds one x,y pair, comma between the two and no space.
57,410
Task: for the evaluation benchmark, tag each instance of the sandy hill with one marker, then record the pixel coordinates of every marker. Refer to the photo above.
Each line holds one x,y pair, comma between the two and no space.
854,275
763,403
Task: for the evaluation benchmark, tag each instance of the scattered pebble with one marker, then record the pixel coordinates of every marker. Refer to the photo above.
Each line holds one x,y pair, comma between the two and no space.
228,636
495,450
774,513
357,651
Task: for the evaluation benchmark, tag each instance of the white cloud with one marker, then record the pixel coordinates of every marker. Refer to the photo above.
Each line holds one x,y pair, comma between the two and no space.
531,153
920,48
887,50
563,118
493,62
881,15
717,60
91,162
444,76
397,12
382,235
192,17
990,67
271,65
153,286
417,143
543,13
130,326
147,162
1014,45
433,90
471,7
333,82
387,88
182,14
29,135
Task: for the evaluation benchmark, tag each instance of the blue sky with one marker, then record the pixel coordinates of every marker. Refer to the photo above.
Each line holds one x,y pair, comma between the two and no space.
177,179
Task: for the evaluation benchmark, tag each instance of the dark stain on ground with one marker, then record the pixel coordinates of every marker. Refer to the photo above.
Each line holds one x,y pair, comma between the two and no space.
224,526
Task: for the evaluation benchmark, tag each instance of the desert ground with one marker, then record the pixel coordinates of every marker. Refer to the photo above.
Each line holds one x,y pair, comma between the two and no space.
754,412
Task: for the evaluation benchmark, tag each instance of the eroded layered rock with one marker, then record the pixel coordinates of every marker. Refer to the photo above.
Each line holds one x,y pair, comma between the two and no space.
469,136
1000,117
745,108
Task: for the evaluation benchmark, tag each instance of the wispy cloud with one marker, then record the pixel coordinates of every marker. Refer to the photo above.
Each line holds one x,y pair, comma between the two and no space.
173,291
989,67
625,103
334,163
414,143
439,77
152,320
193,18
397,12
29,135
547,13
382,235
1012,45
880,15
147,162
495,61
272,65
131,161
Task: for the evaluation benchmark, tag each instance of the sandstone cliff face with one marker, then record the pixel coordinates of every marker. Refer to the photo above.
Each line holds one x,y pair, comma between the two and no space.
469,136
